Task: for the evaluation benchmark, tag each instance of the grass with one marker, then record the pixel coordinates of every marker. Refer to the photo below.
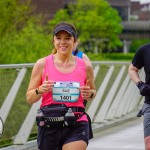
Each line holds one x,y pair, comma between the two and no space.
111,56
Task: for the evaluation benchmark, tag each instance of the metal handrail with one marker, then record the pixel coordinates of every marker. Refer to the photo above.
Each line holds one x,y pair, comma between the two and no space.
30,65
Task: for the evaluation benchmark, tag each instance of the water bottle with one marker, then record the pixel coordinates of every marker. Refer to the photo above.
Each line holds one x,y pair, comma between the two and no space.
69,118
40,118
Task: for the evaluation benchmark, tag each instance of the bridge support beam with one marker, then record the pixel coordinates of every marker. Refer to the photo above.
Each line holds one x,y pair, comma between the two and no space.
126,45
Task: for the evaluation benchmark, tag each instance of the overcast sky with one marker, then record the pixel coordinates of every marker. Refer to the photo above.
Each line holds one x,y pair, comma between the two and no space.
142,1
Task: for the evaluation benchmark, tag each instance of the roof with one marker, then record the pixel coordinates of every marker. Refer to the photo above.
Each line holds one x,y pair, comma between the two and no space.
136,25
119,2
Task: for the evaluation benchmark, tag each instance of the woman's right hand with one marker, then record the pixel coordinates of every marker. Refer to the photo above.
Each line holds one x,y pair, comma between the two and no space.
46,86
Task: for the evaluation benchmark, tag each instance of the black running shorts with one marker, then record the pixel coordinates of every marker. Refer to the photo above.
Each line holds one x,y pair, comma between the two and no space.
145,111
54,138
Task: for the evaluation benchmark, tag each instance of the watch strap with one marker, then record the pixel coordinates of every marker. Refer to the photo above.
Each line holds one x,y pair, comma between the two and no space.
37,91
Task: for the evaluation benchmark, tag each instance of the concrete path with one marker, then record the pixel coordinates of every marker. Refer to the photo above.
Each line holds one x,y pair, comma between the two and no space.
128,136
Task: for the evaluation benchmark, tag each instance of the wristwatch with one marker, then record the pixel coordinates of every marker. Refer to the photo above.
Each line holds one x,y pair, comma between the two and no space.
37,91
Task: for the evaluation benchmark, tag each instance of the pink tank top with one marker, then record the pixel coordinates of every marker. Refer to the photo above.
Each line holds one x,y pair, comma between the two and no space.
76,75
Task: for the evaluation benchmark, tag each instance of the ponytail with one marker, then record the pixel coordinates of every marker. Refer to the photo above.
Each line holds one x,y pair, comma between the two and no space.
54,51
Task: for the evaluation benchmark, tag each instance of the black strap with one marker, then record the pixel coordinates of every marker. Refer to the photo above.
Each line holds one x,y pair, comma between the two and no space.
77,109
53,105
90,127
74,108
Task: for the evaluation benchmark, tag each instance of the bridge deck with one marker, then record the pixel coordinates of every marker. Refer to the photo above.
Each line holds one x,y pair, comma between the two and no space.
128,136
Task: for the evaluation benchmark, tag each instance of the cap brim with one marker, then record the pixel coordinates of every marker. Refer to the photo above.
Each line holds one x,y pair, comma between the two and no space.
63,30
66,28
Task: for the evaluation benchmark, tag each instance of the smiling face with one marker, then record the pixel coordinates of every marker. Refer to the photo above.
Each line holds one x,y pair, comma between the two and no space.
64,42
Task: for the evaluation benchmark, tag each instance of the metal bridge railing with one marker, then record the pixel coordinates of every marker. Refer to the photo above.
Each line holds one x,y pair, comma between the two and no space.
116,97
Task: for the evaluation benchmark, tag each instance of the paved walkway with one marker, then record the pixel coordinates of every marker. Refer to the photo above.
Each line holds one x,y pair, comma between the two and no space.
128,136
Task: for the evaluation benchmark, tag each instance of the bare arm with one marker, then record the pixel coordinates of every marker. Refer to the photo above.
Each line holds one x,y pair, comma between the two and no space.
35,82
90,79
86,58
88,91
133,73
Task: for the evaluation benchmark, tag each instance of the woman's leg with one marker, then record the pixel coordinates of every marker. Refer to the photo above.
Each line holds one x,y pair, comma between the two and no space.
77,145
76,137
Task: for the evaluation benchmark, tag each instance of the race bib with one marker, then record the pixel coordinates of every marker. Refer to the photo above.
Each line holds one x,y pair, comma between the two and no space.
66,91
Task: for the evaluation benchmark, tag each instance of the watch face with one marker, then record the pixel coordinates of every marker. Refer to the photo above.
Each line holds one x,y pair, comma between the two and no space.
36,91
1,127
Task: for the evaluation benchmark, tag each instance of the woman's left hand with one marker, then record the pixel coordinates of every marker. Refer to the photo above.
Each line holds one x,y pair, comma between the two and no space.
85,91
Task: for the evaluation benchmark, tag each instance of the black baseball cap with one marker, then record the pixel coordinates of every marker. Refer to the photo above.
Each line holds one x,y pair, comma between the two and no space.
66,28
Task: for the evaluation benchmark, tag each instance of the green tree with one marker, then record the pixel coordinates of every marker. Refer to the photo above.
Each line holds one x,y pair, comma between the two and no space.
98,24
14,15
23,39
137,43
25,46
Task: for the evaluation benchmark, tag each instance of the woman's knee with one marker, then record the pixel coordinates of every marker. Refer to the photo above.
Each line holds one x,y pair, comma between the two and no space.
76,145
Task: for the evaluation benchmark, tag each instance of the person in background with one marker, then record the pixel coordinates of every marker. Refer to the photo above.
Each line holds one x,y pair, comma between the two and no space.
60,80
142,60
79,53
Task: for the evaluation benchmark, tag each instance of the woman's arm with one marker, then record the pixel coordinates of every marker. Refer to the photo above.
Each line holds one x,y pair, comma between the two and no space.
35,82
86,58
90,80
88,91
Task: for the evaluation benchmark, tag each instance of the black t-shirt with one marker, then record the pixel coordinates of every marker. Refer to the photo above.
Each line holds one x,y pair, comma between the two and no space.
142,59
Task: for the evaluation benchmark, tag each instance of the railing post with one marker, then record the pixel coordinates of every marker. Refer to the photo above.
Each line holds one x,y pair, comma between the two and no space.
6,106
25,130
95,103
109,98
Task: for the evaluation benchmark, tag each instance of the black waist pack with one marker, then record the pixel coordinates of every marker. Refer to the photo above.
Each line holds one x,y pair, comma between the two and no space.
52,115
55,110
56,115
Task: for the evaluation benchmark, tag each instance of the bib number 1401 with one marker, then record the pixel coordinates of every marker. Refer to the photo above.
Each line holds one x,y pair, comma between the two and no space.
65,98
66,91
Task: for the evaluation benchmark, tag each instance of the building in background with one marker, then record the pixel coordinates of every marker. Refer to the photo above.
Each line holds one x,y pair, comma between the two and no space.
140,11
47,8
123,7
128,10
135,16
